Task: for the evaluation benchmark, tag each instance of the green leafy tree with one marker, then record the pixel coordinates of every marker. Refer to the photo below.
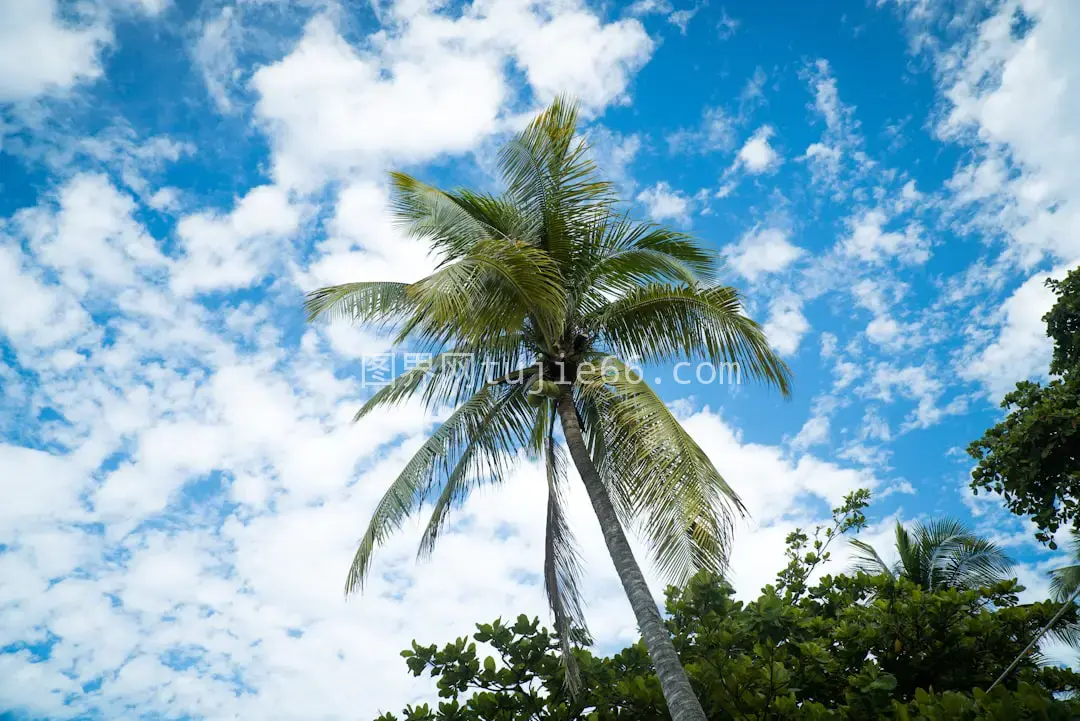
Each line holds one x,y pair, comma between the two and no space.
1032,458
943,553
805,555
850,647
552,294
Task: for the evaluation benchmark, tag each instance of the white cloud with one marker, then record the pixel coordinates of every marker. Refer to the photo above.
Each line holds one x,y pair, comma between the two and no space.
679,18
91,239
824,160
164,199
664,203
39,53
728,26
762,251
41,489
917,383
614,154
574,53
1028,117
329,109
48,47
814,432
786,324
439,84
31,311
234,251
716,132
756,155
365,243
883,330
837,160
868,241
882,298
215,54
1022,349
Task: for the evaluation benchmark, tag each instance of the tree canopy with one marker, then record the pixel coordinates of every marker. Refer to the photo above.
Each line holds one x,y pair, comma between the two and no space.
1032,457
850,647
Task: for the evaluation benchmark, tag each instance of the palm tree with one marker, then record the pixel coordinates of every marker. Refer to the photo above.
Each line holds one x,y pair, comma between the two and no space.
1064,587
1064,580
551,291
943,553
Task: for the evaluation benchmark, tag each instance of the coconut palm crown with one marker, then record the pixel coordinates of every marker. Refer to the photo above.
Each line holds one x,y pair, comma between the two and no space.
943,553
549,292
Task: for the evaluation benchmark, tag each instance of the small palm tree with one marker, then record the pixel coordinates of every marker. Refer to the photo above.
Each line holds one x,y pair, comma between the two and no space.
943,553
1064,580
551,291
1064,587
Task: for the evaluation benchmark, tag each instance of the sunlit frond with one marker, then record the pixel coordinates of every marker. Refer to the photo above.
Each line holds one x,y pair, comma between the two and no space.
659,323
437,217
376,303
549,174
504,218
621,255
487,293
683,506
952,555
912,557
942,553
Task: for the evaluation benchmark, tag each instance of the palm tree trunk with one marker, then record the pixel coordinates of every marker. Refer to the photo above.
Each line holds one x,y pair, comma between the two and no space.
681,701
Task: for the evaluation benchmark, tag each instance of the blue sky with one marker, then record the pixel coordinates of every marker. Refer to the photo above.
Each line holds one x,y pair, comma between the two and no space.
889,184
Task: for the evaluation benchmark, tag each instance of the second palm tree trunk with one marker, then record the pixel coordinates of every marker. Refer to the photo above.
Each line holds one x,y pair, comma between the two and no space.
681,701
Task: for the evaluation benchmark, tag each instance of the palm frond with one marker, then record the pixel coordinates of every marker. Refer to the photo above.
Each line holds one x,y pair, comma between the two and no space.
488,440
912,563
431,463
951,555
562,564
627,254
867,559
1067,633
450,376
659,323
549,175
684,507
371,302
975,562
501,216
433,215
486,293
591,399
1065,579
